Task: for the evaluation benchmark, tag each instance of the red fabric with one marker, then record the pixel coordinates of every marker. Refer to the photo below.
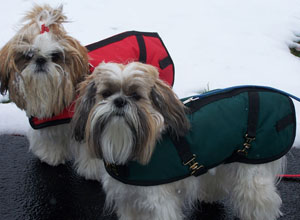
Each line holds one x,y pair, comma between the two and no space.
123,51
155,53
67,113
127,50
290,175
122,48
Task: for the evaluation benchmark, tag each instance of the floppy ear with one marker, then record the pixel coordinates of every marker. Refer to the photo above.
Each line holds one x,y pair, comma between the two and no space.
84,104
171,108
78,61
7,65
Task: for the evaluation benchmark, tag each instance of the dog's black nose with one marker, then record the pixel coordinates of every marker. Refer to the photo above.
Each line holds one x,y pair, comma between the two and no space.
40,61
120,102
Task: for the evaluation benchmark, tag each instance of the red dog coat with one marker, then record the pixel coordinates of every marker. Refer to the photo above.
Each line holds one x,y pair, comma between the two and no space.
122,48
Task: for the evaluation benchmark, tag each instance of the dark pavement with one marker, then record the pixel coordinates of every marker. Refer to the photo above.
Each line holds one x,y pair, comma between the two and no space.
31,190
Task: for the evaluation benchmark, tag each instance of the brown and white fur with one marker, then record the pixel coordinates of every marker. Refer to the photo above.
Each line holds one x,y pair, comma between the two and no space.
121,113
41,67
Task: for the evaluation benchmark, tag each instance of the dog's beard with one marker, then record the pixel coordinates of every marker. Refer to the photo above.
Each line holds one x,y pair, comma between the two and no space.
120,135
117,141
47,89
113,132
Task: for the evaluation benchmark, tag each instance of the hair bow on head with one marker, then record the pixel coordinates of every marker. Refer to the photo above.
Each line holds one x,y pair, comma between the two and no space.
44,29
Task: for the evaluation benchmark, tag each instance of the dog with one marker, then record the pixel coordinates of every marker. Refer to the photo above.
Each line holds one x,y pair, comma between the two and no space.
41,67
121,112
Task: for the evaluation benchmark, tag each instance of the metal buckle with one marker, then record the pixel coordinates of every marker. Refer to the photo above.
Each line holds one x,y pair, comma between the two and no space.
194,166
112,168
190,100
247,145
91,65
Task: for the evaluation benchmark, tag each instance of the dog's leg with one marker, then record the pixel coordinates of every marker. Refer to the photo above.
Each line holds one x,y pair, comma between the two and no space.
86,166
146,203
254,195
211,187
51,144
158,207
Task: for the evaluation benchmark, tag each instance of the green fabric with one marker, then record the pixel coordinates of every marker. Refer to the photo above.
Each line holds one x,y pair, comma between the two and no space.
217,132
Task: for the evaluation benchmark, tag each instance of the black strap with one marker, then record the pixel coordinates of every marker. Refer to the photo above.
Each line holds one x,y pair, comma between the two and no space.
165,62
187,157
253,113
142,46
48,123
119,37
285,121
183,149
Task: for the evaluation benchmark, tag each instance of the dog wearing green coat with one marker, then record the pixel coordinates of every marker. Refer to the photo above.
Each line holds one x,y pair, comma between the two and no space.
133,124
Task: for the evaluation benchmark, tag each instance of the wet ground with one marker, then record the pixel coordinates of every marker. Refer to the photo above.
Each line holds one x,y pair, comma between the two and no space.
31,190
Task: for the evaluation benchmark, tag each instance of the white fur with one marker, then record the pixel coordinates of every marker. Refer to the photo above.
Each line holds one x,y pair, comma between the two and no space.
45,44
41,69
250,189
42,83
52,144
119,150
48,18
116,139
85,165
117,73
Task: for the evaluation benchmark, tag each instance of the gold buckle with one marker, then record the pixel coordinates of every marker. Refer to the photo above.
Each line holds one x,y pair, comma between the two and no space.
194,166
247,145
112,167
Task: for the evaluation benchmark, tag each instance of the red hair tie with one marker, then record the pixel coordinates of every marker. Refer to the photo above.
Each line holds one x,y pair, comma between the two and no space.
44,29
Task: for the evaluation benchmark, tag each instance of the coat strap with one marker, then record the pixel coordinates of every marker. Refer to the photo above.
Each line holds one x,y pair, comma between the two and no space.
142,47
253,114
187,157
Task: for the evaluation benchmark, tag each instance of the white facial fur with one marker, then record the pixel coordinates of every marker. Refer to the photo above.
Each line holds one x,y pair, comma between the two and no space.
122,111
118,138
42,75
40,67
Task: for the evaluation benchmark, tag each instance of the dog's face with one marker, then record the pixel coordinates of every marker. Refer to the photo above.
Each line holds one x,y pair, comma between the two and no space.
122,110
41,64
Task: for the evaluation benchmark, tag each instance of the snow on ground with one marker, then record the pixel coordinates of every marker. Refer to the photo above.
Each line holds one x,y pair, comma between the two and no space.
4,98
13,120
213,44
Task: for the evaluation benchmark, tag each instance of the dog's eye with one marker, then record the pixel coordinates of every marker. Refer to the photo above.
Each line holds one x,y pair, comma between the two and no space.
55,56
135,96
105,94
29,55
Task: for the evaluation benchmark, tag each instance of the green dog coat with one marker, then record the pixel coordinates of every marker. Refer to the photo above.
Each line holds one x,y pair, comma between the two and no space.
247,124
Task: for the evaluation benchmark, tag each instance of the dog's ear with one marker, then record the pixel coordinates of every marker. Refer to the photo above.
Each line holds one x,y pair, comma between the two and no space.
171,108
7,65
84,104
78,61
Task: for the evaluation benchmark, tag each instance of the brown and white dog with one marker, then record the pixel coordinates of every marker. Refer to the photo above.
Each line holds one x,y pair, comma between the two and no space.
121,113
41,67
127,104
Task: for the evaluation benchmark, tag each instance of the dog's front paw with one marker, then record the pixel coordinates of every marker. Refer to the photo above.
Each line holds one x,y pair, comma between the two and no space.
53,156
90,169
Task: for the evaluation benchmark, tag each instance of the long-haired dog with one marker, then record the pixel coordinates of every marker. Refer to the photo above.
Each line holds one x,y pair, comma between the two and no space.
122,112
41,67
